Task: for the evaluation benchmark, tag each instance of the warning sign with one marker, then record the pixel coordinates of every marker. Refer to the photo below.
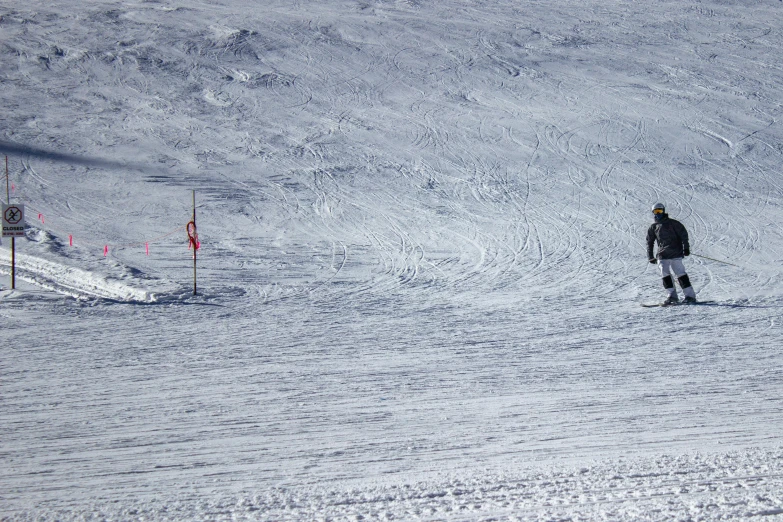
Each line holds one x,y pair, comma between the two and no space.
13,220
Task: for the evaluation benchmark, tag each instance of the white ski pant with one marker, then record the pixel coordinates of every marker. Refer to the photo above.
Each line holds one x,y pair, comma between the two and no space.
676,267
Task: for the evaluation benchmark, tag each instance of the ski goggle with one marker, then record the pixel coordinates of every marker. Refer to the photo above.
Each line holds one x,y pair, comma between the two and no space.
657,211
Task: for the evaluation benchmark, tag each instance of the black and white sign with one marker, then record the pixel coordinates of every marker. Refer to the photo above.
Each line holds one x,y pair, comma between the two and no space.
13,220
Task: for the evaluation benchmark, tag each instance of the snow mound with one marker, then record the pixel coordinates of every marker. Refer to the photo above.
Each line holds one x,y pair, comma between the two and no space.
73,281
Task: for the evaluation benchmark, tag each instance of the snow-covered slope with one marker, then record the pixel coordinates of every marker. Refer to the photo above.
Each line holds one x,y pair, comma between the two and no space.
423,253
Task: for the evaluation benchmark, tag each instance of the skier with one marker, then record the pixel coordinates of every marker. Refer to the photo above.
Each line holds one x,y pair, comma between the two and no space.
672,239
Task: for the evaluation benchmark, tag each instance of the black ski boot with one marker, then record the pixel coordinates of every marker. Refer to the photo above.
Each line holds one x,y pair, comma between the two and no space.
671,300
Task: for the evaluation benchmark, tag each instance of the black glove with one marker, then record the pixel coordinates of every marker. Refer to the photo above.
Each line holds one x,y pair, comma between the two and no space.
653,260
687,251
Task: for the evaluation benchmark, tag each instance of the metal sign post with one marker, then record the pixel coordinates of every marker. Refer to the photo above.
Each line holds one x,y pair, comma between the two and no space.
13,223
13,240
13,227
13,220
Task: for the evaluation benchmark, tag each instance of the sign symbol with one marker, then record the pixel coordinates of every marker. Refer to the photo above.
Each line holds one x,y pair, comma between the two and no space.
13,215
13,220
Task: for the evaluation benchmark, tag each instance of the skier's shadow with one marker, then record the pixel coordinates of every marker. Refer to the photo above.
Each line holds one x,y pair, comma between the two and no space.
735,305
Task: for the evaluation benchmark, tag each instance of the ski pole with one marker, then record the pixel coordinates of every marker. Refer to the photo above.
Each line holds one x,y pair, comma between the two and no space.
716,260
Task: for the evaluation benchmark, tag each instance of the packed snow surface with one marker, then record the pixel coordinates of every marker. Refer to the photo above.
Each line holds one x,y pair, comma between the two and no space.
422,230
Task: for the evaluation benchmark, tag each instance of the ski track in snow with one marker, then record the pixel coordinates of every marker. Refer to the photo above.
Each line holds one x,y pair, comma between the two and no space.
423,252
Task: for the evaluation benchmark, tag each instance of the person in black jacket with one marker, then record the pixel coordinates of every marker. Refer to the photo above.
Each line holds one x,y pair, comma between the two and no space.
672,239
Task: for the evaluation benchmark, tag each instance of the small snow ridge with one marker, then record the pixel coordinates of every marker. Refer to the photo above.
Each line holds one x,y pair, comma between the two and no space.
222,33
75,282
218,99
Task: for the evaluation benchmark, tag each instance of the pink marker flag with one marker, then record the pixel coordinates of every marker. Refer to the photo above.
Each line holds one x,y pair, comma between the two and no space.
105,250
70,240
147,248
40,217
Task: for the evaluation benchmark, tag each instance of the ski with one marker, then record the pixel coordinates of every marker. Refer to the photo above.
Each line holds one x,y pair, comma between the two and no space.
681,303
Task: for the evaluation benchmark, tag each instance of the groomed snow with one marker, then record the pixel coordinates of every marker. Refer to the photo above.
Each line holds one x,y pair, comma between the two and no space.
422,259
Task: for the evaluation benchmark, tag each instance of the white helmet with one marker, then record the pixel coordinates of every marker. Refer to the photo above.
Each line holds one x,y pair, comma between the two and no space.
659,206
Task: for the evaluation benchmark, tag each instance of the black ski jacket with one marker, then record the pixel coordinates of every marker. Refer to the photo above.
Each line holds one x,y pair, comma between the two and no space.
671,236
